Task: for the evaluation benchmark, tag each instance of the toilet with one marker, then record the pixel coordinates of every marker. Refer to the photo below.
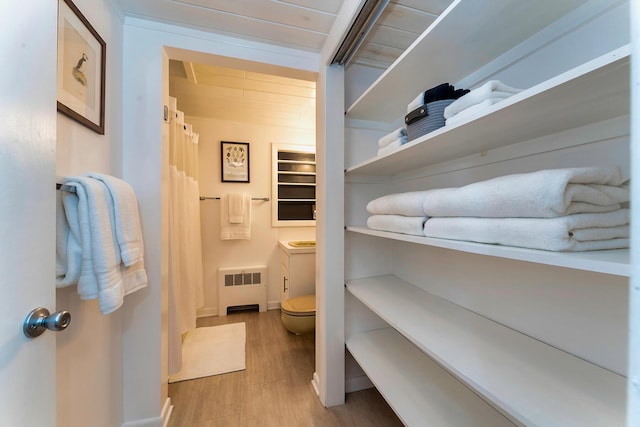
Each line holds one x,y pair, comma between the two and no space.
299,314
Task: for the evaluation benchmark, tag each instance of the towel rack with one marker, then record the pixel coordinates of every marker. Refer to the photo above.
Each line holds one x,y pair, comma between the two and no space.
264,199
67,188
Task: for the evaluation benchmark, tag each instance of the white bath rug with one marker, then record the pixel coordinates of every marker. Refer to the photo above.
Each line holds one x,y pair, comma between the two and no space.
212,350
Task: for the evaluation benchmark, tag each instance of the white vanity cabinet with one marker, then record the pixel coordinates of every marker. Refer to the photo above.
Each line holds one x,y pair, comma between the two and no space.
297,271
470,334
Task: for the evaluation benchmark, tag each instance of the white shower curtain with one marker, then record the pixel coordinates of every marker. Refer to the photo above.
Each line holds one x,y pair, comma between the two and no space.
185,246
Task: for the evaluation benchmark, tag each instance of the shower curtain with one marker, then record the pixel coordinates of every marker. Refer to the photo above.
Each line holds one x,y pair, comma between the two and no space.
185,245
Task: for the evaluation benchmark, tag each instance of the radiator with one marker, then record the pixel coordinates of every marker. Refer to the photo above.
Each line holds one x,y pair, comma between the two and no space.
241,286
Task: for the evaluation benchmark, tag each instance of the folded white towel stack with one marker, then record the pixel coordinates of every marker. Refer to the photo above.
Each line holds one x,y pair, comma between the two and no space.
492,90
546,193
572,209
579,232
397,224
398,134
235,216
95,238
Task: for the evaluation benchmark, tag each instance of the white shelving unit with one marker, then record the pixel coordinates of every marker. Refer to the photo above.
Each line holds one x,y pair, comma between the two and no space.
615,262
531,382
592,92
384,351
432,345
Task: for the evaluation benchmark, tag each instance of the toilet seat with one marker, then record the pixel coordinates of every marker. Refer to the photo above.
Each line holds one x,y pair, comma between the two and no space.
300,306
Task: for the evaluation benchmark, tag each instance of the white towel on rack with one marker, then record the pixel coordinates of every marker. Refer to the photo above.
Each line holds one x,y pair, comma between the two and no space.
100,274
397,224
407,204
490,89
127,232
545,193
579,232
230,230
68,250
236,208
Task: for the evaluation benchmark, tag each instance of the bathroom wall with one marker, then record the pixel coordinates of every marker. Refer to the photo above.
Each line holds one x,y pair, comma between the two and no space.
262,248
89,352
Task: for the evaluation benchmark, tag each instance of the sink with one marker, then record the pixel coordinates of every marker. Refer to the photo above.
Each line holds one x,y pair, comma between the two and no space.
302,243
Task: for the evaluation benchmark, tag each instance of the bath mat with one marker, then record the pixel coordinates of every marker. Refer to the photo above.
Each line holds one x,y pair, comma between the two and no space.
212,350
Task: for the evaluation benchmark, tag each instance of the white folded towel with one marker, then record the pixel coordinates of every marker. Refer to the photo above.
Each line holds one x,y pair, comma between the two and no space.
235,230
472,112
100,274
236,208
407,204
401,133
490,89
579,232
397,224
546,193
393,146
128,231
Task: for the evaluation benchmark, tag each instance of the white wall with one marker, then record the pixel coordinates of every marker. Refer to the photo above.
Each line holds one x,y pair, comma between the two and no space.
262,249
145,88
89,352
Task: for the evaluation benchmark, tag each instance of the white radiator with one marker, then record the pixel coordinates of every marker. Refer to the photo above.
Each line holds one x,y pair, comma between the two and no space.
241,286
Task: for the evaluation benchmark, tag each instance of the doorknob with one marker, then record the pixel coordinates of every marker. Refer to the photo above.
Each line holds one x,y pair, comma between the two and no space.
40,319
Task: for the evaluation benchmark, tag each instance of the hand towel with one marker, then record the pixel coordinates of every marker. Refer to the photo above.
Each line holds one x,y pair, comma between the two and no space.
229,230
401,132
545,193
236,208
491,89
393,146
579,232
95,218
407,204
128,231
398,224
472,112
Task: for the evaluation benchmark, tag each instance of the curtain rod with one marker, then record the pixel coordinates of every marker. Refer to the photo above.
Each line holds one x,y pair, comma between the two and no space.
265,199
67,188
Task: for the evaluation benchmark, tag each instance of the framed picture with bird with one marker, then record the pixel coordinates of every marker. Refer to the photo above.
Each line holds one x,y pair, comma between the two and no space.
81,68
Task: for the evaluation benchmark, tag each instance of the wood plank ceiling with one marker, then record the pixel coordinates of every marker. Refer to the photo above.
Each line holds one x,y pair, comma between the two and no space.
209,91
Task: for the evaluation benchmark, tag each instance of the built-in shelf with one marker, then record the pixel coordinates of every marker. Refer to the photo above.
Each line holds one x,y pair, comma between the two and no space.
293,185
615,261
417,388
529,381
593,92
465,37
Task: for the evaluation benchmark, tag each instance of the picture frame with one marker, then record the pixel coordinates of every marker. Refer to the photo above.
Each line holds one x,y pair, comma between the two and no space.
234,161
81,68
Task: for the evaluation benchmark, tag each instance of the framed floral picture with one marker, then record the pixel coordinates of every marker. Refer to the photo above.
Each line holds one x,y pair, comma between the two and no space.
234,161
81,68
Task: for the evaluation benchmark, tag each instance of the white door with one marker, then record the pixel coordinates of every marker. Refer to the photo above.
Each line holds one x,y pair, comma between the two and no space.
27,208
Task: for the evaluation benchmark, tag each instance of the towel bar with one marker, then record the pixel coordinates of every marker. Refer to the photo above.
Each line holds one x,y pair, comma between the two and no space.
67,188
264,199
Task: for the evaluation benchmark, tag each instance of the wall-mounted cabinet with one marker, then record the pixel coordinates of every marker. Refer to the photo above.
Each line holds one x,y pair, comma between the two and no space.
293,188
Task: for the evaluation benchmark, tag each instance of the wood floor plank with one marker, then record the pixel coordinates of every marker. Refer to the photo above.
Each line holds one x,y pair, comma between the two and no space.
274,390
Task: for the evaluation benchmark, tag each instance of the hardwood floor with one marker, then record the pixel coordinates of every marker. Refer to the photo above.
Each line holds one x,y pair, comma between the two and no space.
274,390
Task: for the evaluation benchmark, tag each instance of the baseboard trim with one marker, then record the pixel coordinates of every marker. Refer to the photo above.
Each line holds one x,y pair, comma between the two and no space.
147,422
273,305
315,382
167,409
358,383
207,312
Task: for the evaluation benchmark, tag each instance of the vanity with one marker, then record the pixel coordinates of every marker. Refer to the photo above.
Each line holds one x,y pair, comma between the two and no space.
297,268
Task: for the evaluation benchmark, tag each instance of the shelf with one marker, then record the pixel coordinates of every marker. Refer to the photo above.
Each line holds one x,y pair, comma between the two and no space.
528,380
595,91
417,388
466,36
614,262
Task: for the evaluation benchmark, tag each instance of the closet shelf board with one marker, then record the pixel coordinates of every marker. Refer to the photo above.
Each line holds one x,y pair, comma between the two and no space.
593,92
418,389
614,262
530,381
465,37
